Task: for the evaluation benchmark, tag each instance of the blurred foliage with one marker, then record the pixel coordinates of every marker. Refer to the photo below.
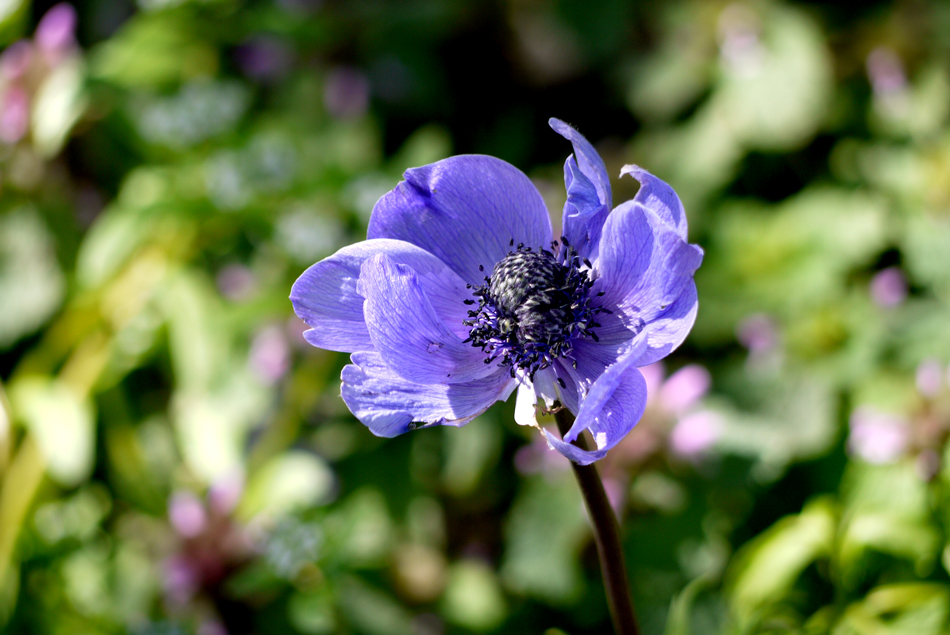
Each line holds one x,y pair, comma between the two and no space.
174,458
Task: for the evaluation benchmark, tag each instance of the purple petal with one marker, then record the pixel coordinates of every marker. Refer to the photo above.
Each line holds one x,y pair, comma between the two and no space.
466,210
668,330
590,163
584,214
588,193
389,405
613,337
574,387
612,407
325,296
407,332
657,196
646,273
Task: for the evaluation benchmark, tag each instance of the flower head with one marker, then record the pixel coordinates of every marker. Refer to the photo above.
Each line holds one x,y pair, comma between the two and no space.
460,295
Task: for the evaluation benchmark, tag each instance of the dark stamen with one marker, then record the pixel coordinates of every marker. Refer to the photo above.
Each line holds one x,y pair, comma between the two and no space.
532,308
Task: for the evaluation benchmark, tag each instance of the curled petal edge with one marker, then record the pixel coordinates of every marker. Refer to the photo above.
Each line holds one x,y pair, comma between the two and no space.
611,408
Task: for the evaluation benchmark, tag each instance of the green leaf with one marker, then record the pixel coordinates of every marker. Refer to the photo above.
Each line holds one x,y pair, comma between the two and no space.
313,612
473,597
545,530
154,50
372,611
212,426
791,417
921,608
13,15
31,282
62,423
885,508
766,569
775,91
60,102
288,482
471,451
678,619
360,533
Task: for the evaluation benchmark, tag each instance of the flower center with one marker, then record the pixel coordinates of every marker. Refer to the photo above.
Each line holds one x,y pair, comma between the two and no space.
532,308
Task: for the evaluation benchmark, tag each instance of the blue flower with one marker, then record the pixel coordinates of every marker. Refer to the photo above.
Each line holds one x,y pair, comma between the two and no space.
459,296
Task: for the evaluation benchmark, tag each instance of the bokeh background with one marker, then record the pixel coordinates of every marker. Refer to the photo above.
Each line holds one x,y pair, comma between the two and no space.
176,460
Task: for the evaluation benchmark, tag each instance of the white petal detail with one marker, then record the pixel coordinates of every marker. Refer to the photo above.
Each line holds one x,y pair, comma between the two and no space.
525,413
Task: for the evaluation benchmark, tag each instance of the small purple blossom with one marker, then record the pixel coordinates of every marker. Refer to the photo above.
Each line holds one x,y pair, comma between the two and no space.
236,282
929,378
265,58
684,388
696,433
15,61
877,437
889,287
346,93
56,33
758,333
14,114
186,513
885,71
460,295
269,356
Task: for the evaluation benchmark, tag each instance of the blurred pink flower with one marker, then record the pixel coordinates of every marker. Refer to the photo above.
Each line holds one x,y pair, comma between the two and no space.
270,354
187,514
16,60
885,71
684,388
535,457
346,93
877,437
673,402
889,287
696,433
757,333
236,282
224,494
14,114
677,393
265,58
929,377
212,627
180,579
210,544
56,33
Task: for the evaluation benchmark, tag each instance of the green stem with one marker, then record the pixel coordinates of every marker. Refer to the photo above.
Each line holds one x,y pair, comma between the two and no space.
606,536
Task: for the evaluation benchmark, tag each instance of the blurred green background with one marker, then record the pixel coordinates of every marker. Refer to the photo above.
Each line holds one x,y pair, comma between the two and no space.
176,460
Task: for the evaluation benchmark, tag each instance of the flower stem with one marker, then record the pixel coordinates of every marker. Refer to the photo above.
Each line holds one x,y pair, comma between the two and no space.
606,536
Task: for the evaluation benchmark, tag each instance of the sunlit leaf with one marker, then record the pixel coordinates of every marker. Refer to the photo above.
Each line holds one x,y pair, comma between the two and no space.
896,609
153,50
60,102
473,597
886,508
765,570
360,532
31,282
373,611
289,482
62,423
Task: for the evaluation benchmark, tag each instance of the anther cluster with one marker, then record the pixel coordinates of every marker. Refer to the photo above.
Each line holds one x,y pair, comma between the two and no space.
532,308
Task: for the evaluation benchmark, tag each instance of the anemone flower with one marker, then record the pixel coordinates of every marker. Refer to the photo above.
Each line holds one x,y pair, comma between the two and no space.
460,295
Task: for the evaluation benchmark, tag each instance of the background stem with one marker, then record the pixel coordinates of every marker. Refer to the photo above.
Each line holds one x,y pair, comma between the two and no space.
606,536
